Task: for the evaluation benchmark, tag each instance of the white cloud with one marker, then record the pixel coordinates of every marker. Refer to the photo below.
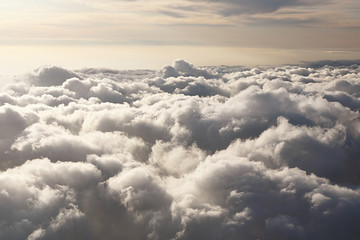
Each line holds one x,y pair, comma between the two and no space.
182,153
50,76
38,191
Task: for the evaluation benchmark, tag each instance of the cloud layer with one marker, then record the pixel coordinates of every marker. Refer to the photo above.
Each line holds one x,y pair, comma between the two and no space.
182,153
259,6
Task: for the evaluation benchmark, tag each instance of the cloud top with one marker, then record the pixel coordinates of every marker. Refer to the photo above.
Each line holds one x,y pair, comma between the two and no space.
50,76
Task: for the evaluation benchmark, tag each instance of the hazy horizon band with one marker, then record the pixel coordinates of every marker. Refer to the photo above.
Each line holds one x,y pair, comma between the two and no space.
18,59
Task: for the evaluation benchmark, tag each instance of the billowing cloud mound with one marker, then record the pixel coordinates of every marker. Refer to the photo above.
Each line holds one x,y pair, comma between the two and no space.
50,76
182,153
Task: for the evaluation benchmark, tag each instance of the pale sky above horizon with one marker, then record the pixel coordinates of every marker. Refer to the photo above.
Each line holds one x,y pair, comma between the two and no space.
148,34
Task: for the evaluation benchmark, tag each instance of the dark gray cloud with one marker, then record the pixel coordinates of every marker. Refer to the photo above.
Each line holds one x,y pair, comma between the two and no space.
333,63
235,7
182,153
171,13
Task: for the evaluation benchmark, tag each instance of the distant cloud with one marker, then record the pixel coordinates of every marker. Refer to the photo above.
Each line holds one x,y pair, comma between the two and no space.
50,76
234,7
334,63
182,153
238,6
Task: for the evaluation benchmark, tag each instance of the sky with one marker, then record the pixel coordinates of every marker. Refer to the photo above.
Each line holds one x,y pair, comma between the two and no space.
134,34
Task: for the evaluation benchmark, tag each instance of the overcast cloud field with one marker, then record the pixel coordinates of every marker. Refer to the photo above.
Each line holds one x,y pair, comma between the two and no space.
182,153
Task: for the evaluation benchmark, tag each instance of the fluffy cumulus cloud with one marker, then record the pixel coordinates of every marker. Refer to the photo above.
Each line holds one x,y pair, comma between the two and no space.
182,153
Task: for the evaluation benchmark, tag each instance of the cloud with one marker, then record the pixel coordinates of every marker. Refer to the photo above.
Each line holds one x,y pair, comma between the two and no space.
235,7
50,76
182,153
228,7
183,68
14,122
334,63
40,197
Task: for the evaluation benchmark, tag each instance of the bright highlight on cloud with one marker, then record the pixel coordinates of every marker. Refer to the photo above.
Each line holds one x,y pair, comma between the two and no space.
182,153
